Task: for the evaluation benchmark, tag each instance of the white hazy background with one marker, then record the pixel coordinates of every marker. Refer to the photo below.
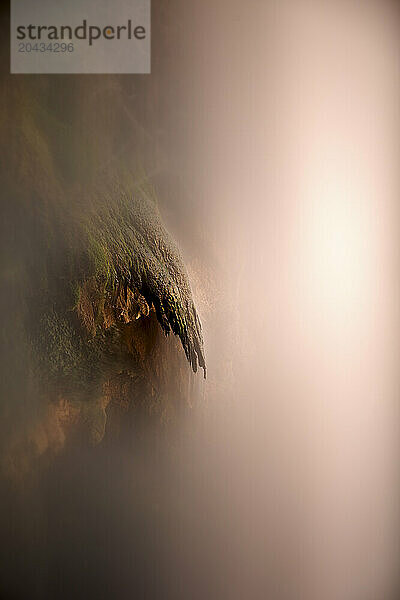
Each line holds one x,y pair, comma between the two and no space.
279,145
289,149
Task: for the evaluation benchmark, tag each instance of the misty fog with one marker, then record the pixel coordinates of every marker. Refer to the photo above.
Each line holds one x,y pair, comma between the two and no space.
270,132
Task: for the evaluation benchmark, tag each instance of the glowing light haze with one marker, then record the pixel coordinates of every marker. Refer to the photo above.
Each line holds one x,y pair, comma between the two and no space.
276,134
294,147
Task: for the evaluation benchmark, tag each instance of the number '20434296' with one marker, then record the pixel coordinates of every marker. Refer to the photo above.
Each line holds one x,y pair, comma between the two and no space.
43,47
